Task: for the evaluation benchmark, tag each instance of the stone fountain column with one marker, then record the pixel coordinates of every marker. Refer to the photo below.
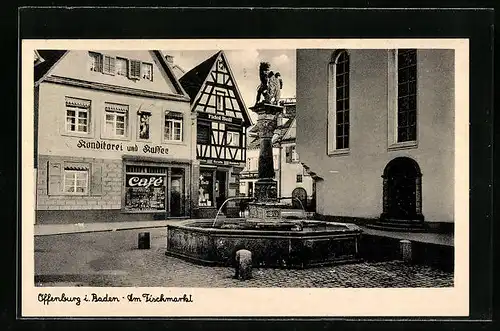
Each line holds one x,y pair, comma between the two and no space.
265,205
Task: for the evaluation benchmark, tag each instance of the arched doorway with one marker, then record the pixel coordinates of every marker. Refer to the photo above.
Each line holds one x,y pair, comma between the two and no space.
301,194
402,195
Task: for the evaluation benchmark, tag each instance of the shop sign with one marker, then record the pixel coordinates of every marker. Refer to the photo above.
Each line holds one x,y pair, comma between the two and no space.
145,181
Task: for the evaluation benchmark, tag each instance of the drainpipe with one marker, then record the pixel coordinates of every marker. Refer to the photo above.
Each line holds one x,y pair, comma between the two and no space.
279,169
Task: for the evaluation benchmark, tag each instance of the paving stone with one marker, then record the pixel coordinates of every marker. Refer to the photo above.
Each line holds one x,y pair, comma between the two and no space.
112,259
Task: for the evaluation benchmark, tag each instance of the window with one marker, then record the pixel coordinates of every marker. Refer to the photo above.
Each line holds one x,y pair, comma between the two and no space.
143,131
147,71
338,102
145,188
206,189
76,181
203,134
95,61
116,120
77,115
299,178
233,138
108,65
173,126
121,67
407,95
134,69
402,99
291,154
219,100
295,155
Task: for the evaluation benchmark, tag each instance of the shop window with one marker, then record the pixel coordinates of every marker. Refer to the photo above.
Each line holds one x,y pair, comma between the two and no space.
76,181
206,189
121,66
77,115
145,191
173,126
143,130
116,120
147,71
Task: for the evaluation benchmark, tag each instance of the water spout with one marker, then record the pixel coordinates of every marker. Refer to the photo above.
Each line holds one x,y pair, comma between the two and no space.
304,215
226,201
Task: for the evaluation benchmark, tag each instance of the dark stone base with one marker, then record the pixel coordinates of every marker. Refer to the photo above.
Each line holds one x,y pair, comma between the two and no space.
93,216
434,227
202,244
379,248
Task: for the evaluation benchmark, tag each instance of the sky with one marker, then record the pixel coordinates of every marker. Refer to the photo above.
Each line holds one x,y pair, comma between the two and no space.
245,67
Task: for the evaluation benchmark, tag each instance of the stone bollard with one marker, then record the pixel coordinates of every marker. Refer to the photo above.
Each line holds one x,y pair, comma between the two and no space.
405,248
243,264
144,240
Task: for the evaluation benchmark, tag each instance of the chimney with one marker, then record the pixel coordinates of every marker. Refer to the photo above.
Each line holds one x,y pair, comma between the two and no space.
170,59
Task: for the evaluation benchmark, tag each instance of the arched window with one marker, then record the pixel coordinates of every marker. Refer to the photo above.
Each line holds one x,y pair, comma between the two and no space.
338,103
402,102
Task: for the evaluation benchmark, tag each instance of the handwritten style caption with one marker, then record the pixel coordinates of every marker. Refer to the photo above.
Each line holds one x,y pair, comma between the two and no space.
48,298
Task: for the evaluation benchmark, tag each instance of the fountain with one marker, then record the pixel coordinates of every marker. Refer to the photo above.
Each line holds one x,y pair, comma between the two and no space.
274,239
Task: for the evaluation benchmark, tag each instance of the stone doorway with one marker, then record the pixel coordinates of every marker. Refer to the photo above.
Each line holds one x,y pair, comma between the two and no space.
402,195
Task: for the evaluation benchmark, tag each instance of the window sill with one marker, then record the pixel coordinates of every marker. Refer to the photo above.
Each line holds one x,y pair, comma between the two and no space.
139,140
115,138
339,152
173,142
77,134
403,145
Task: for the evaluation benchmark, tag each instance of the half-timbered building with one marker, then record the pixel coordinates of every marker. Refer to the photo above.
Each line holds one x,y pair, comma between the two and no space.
222,121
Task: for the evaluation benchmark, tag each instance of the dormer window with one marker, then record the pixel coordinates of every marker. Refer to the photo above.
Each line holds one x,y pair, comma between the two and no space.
121,67
147,71
95,62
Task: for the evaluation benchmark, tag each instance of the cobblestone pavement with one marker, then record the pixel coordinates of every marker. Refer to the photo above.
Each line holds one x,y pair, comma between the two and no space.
112,259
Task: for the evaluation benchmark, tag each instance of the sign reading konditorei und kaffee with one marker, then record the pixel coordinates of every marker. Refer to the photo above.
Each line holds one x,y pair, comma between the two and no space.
112,146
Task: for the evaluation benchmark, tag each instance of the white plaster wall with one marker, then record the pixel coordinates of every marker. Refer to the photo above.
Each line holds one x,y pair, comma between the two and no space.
352,184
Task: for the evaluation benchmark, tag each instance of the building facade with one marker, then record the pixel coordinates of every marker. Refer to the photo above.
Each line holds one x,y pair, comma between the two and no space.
291,177
115,138
377,128
222,121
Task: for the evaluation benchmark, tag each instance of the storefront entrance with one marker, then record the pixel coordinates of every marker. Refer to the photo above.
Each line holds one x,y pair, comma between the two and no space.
221,193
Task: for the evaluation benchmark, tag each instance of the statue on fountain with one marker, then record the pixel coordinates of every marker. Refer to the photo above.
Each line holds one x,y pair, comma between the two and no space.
270,85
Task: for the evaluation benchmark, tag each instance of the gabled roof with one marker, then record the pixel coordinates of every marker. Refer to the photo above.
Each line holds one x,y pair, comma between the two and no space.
50,58
193,80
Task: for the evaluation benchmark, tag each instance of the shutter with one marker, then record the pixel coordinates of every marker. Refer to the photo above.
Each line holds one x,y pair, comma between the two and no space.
112,65
135,69
99,62
109,65
289,154
96,179
54,172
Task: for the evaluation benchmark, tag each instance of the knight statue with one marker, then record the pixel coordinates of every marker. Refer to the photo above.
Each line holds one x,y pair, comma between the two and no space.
270,85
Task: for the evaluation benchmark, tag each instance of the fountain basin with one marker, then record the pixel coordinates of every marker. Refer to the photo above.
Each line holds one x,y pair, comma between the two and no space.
284,244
